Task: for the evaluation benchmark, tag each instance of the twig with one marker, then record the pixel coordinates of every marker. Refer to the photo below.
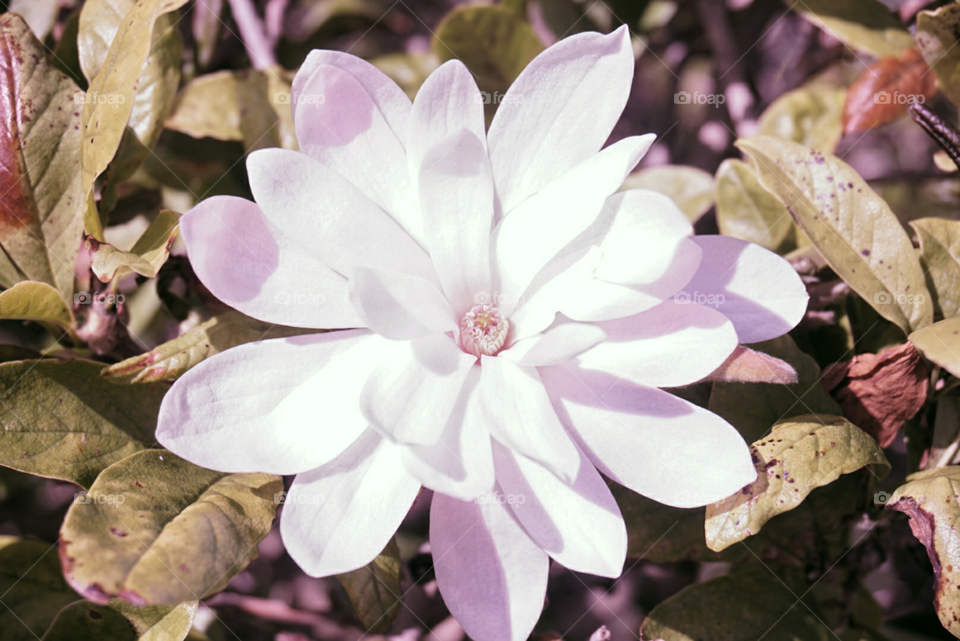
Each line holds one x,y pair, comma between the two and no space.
939,129
253,33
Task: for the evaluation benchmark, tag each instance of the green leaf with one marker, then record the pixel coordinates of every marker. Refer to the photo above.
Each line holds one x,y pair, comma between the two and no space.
374,589
940,343
494,42
66,56
155,529
32,586
134,84
147,256
158,622
37,302
864,25
743,606
691,188
930,500
87,621
409,70
747,211
937,39
61,420
172,359
799,455
854,229
811,116
939,255
753,408
40,222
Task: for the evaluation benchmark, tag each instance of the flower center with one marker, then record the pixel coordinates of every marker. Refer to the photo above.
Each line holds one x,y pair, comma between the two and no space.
483,330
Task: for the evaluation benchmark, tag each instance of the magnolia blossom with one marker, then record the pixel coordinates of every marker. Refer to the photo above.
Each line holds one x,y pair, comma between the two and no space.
506,318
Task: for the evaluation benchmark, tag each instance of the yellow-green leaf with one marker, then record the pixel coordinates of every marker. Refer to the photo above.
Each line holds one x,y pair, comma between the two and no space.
691,188
374,589
32,586
747,211
37,302
940,257
147,256
864,25
799,455
940,343
811,116
155,529
88,621
854,229
937,39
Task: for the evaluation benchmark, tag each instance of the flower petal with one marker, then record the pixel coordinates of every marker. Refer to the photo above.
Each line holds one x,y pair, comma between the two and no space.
329,217
399,306
670,345
460,464
543,224
341,118
249,264
412,392
579,524
281,406
558,344
448,102
492,576
559,112
649,440
340,517
762,294
518,413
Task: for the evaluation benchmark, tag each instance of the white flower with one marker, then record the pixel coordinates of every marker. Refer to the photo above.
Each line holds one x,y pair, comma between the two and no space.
517,319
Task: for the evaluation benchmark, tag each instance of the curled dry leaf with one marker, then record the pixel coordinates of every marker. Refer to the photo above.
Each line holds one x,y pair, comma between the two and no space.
879,392
885,90
749,366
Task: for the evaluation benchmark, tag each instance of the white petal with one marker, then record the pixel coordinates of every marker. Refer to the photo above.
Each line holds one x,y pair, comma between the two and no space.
518,414
347,117
282,406
460,464
559,112
329,217
399,306
668,346
762,294
410,395
340,517
543,224
249,264
579,524
648,440
456,195
492,576
558,344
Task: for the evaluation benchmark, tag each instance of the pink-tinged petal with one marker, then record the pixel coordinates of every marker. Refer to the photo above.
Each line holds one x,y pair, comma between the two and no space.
649,440
761,293
579,524
340,517
447,103
569,285
492,576
341,123
559,112
460,464
329,217
671,345
542,225
412,392
518,414
556,345
399,306
282,406
249,264
456,194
